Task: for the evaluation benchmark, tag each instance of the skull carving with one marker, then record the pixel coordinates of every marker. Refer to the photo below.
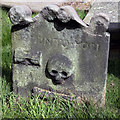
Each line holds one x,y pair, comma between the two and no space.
59,68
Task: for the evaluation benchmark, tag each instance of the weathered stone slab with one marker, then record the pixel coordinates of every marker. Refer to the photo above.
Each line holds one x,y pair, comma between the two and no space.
112,9
109,7
59,52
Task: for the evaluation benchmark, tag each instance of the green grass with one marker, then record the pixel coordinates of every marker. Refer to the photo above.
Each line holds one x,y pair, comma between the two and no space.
16,107
81,13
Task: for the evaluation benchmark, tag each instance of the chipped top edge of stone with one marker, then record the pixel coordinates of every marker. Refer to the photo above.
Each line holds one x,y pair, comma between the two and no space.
64,14
103,15
49,12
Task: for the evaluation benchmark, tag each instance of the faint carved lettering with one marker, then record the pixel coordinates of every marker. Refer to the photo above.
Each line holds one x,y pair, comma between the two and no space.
86,46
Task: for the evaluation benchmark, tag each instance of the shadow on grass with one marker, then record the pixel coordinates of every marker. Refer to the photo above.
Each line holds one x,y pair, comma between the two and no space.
114,67
7,74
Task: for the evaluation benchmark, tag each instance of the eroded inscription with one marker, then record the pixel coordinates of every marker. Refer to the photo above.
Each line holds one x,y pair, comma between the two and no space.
49,94
86,46
66,42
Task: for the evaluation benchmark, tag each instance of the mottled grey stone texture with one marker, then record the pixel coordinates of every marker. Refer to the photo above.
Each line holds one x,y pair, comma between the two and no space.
20,15
109,7
59,52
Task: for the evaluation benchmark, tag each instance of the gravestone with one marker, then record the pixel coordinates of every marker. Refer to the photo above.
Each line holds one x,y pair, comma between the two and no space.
57,52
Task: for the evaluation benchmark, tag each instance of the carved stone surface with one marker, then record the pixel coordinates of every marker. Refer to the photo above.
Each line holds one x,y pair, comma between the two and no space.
109,7
20,15
112,9
59,52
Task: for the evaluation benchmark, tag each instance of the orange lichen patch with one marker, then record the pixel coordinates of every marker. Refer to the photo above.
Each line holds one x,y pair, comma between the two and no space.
103,98
78,5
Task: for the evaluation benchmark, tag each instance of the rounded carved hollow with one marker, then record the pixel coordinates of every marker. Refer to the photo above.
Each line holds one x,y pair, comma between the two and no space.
59,68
